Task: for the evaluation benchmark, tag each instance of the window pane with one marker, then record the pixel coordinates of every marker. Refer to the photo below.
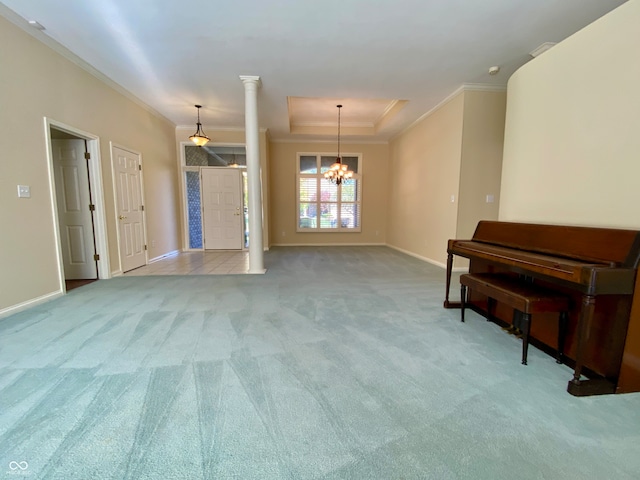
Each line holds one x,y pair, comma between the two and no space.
350,190
326,162
308,164
308,210
193,209
195,156
306,221
351,162
329,215
349,215
328,191
308,189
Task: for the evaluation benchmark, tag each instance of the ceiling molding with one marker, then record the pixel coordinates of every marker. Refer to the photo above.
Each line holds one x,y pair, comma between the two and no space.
483,87
342,142
218,129
60,49
465,87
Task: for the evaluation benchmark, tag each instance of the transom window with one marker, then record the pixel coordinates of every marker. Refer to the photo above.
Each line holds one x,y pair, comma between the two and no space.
322,205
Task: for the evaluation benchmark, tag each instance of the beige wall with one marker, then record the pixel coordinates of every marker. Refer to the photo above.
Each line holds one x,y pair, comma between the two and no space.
282,157
225,138
36,82
481,161
424,174
455,151
572,140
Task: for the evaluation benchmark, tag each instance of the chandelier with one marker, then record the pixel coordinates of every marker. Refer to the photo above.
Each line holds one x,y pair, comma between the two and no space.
199,138
338,172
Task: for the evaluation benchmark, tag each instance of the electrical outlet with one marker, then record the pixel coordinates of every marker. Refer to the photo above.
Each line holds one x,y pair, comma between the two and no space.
24,191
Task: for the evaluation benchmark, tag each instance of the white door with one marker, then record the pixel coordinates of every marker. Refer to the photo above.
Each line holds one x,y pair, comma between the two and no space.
222,208
129,209
74,215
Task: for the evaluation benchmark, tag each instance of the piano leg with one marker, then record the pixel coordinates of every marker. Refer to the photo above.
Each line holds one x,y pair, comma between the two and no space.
447,303
463,300
598,386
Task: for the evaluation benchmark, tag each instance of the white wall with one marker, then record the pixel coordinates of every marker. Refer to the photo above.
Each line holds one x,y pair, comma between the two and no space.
572,138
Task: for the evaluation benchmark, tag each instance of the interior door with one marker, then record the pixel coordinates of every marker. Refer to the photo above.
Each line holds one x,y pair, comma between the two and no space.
74,215
130,210
222,208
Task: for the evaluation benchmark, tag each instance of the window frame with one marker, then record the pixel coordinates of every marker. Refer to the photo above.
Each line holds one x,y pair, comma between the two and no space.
319,176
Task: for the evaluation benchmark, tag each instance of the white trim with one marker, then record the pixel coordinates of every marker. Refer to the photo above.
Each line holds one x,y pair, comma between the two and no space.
328,245
5,312
162,257
352,142
39,35
113,145
483,87
428,260
465,87
219,129
97,195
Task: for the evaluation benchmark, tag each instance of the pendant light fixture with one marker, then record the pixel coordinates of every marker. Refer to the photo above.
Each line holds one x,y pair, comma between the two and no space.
199,138
338,172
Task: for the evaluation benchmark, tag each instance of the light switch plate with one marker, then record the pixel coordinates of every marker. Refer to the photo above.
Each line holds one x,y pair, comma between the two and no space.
24,191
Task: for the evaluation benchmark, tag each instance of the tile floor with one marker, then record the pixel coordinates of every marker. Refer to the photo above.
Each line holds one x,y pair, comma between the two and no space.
197,263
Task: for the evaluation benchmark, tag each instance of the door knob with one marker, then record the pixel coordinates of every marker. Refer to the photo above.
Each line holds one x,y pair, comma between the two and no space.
122,217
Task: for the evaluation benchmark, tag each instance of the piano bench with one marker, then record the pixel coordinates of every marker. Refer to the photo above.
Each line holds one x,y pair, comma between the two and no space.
524,297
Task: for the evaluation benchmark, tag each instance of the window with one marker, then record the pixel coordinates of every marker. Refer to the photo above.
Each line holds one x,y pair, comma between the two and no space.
323,206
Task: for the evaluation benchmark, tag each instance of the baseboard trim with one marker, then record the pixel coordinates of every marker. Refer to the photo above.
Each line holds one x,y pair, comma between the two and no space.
328,245
428,260
166,255
5,312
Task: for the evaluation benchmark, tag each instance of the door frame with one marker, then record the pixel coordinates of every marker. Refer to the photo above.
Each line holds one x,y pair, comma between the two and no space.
113,145
97,194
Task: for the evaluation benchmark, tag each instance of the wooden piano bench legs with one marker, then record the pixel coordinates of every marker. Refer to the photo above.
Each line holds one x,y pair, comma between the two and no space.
525,298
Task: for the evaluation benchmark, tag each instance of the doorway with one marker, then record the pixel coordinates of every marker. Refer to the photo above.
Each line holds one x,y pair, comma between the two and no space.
214,193
77,205
222,210
127,175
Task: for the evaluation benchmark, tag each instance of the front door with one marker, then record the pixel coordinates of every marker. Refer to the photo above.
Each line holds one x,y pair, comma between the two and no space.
222,208
73,197
129,208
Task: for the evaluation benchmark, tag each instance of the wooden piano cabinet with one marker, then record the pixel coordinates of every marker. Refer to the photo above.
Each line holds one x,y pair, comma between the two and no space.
629,380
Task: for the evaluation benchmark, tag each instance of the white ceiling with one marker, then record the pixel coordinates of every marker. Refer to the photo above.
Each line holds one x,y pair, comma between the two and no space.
361,53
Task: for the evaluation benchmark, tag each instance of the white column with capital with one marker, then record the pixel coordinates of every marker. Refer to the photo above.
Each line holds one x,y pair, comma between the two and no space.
256,248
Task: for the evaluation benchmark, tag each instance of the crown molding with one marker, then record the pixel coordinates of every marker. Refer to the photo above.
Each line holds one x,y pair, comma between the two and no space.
218,129
483,87
465,87
333,142
63,51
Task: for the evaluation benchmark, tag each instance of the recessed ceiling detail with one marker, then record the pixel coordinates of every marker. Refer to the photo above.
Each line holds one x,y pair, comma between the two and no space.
360,116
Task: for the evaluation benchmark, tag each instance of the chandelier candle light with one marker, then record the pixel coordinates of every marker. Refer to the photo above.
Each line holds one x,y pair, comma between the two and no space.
199,138
338,172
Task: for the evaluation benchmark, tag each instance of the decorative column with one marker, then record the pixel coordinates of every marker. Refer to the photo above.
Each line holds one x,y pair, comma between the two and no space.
256,248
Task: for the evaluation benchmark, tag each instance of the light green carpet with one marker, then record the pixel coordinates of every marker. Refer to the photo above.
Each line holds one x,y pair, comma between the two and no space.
332,365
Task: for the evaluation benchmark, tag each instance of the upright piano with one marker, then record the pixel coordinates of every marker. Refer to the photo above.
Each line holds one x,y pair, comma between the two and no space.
596,267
